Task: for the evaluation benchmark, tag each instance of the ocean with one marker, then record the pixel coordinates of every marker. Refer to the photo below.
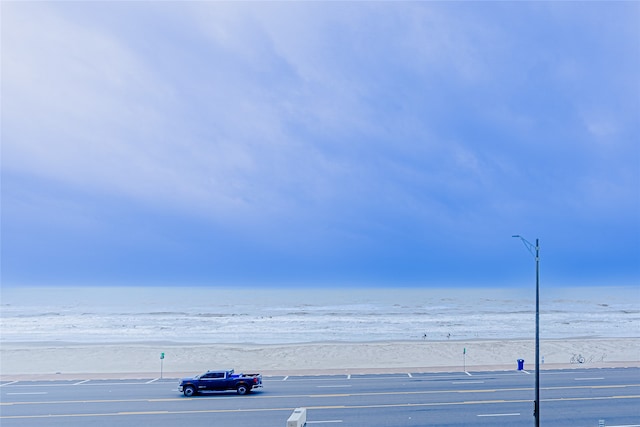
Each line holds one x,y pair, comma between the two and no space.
207,315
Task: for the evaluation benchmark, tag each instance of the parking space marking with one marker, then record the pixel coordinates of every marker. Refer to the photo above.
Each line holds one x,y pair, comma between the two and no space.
9,383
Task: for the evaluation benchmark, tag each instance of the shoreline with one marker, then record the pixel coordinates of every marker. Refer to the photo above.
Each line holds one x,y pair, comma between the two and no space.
177,343
55,360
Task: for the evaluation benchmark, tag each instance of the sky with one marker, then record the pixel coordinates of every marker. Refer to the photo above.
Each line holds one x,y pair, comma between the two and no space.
320,143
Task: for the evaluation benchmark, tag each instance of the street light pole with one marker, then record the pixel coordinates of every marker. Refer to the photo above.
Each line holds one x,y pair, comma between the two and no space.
530,247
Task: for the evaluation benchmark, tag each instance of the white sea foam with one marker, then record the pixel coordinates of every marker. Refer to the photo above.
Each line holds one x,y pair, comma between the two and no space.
213,315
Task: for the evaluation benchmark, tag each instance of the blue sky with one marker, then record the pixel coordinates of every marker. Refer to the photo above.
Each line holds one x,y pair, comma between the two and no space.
320,144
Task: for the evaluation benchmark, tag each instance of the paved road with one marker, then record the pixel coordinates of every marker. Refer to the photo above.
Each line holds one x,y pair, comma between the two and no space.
571,398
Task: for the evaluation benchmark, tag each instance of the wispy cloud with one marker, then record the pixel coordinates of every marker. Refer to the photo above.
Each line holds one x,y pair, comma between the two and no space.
345,128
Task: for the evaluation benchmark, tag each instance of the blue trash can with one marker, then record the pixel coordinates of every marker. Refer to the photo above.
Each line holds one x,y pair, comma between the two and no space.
520,364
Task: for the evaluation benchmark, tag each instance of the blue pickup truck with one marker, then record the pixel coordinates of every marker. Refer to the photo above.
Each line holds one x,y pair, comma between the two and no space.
220,381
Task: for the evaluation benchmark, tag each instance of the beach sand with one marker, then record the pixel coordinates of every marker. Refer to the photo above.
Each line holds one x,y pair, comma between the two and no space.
142,360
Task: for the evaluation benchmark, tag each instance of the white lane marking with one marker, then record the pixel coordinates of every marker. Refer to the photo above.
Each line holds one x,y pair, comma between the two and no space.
349,376
142,413
468,373
33,392
587,379
152,381
80,382
409,373
526,372
285,378
9,383
324,422
333,386
69,384
515,414
468,382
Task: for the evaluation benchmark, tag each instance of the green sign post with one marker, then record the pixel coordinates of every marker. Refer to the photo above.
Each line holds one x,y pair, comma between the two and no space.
161,363
464,359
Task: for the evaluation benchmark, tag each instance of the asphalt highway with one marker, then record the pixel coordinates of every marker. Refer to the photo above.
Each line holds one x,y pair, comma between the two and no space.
569,398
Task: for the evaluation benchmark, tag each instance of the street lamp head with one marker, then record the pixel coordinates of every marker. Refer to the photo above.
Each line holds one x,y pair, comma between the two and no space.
527,244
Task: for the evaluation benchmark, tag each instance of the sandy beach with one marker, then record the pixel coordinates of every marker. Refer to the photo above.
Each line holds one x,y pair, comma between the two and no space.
142,360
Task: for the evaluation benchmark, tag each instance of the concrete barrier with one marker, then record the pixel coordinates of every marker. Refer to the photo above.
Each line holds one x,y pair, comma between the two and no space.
298,418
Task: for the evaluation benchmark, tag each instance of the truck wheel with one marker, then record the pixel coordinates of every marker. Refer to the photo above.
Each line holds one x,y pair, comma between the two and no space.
189,391
242,389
